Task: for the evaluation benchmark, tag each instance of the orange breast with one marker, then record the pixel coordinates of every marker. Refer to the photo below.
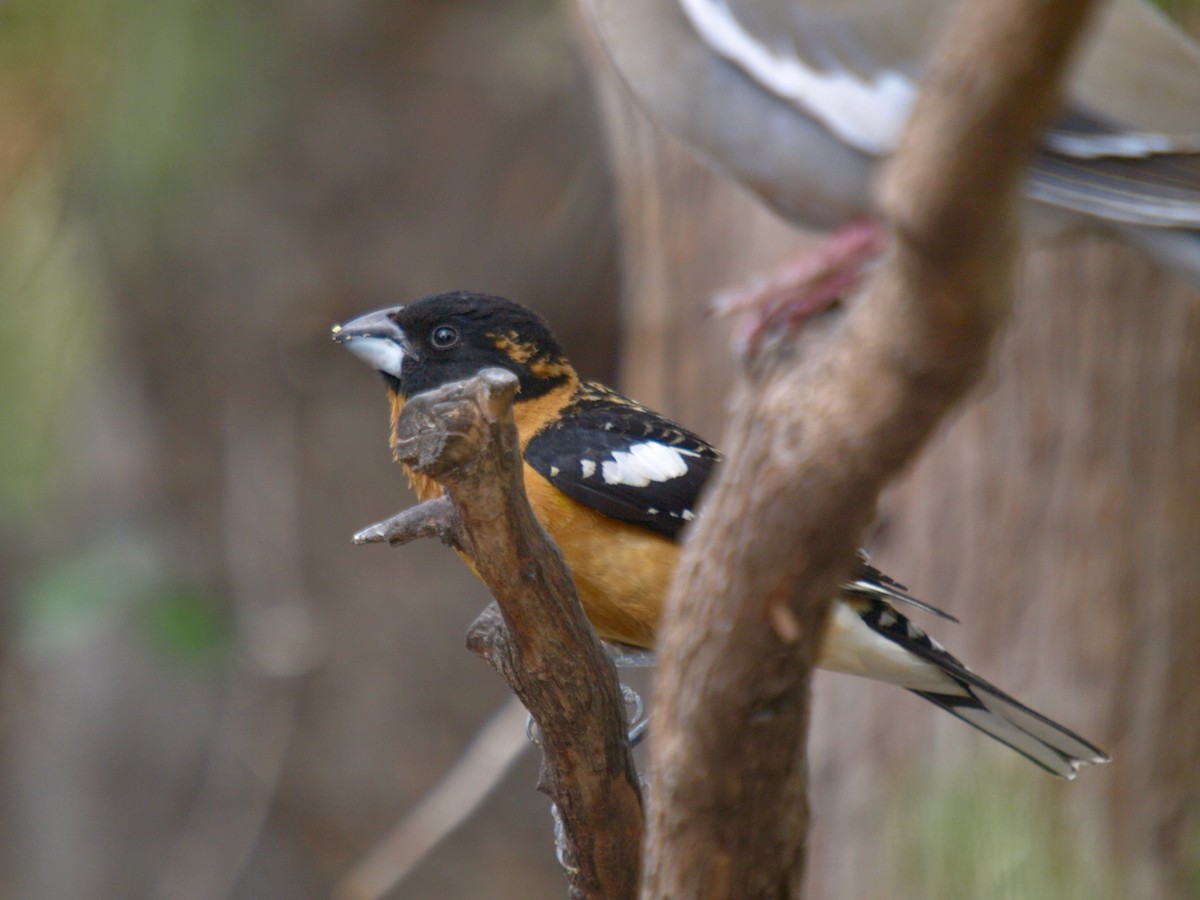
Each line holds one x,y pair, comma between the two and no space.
621,571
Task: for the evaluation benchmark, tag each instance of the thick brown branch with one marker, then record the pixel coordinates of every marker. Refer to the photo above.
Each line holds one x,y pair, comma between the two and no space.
815,437
537,637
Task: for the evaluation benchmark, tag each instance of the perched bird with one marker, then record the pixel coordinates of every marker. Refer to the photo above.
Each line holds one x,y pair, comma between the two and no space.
615,484
800,99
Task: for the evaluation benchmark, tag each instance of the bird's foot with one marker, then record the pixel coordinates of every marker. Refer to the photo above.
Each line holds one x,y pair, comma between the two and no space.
638,718
804,286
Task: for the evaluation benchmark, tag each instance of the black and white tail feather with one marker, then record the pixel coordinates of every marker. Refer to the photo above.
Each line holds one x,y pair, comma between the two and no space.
926,669
878,642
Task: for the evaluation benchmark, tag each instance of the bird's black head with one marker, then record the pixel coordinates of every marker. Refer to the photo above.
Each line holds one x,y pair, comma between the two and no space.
451,337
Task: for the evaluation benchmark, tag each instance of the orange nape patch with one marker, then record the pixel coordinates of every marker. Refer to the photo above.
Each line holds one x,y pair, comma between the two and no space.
522,352
511,345
550,367
534,415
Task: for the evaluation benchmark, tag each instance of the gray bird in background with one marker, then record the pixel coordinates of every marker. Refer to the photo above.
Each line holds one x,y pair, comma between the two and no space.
800,99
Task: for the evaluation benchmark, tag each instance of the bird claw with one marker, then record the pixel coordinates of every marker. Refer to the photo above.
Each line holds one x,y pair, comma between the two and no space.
805,286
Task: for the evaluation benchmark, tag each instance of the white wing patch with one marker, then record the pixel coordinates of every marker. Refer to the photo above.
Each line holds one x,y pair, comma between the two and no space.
587,468
866,114
645,462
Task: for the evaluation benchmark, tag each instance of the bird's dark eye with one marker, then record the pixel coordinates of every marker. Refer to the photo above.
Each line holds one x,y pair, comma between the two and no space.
443,337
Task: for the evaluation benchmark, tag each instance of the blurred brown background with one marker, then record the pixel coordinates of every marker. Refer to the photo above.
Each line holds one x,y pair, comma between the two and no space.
208,692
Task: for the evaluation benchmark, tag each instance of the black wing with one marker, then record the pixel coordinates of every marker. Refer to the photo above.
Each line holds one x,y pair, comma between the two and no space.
624,460
870,582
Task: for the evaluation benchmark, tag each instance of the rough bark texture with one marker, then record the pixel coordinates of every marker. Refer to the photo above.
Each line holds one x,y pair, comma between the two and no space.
823,435
537,637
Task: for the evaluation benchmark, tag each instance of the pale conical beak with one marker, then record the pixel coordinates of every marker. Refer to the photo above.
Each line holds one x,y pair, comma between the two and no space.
376,339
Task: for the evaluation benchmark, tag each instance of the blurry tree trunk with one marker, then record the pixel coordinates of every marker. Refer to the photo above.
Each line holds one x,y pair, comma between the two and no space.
1057,516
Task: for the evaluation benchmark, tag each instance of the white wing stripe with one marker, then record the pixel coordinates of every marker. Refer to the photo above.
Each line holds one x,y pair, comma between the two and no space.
1137,144
867,115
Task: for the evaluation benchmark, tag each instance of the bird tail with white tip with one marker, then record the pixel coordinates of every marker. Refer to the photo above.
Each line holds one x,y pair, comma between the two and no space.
926,669
1056,749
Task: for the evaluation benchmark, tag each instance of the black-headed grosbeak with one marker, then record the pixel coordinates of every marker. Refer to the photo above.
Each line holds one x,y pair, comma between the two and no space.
615,484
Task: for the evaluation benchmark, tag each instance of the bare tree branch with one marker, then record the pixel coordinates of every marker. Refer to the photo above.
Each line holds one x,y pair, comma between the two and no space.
433,518
537,637
814,438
